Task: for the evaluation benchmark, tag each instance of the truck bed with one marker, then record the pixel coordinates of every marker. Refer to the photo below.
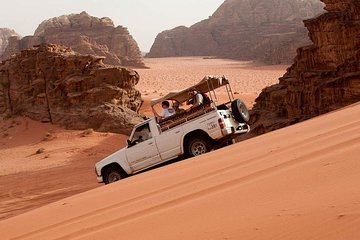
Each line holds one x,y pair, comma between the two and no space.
184,117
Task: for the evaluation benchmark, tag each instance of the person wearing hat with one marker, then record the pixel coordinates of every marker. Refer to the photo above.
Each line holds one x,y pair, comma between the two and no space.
195,98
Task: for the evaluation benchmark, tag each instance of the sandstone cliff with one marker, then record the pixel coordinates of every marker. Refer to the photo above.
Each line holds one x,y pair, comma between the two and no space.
325,75
5,33
263,30
52,83
87,35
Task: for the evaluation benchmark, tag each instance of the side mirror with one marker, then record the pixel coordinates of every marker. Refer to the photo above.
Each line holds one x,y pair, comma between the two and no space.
129,143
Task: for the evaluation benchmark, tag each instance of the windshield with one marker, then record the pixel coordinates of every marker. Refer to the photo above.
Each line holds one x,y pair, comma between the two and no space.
141,133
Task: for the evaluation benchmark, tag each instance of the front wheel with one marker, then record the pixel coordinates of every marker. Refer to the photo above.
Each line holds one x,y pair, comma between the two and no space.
111,175
197,146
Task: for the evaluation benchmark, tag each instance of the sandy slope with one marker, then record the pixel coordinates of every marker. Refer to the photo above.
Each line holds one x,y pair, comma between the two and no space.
301,182
64,168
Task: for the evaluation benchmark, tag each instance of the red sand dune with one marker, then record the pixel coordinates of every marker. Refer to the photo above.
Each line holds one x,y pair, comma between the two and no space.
300,182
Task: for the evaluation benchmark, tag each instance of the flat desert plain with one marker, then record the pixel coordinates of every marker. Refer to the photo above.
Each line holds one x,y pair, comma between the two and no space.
300,182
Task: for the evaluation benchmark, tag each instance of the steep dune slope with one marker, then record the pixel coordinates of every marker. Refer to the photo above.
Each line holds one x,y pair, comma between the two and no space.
300,182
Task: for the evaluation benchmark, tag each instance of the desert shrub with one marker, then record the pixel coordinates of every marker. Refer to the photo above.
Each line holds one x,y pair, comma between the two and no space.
40,150
87,132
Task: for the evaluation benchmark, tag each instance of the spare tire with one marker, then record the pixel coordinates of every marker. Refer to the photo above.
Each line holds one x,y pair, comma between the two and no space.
240,111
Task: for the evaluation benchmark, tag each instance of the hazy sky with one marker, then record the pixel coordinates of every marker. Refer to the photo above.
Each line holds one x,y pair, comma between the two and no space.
144,18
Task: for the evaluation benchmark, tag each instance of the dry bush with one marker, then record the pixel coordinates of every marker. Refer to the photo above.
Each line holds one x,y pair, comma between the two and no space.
40,150
49,135
87,132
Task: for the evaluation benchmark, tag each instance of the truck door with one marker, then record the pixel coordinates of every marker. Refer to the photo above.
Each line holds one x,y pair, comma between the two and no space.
142,151
169,143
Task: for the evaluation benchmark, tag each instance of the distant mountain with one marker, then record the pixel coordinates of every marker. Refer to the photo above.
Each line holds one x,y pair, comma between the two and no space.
265,30
5,33
84,34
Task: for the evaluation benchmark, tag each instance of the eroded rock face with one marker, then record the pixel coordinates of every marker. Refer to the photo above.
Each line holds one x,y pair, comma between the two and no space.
265,30
87,35
325,75
5,33
52,83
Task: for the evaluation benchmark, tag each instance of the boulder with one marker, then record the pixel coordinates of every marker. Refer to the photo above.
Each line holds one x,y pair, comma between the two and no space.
325,75
52,83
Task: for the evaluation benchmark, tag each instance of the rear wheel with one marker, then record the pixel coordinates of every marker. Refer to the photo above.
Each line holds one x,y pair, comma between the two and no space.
240,111
197,146
112,174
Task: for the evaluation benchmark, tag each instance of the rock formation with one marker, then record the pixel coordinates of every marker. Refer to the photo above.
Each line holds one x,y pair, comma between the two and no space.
325,75
265,30
5,33
87,35
52,83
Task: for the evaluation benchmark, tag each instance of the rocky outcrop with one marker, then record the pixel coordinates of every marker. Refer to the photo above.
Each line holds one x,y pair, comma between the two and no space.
52,83
5,33
265,30
325,75
87,35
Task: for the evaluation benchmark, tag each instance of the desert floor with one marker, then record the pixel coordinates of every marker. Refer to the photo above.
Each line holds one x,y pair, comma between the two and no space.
299,182
41,163
64,165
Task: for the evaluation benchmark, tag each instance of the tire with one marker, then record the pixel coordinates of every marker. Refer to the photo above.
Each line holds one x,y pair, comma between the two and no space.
240,111
112,174
198,145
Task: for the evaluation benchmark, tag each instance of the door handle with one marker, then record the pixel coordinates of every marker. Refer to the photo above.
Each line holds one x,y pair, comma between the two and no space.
177,132
150,143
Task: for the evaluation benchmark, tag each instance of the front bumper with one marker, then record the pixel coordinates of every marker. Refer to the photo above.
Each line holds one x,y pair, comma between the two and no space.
100,179
98,176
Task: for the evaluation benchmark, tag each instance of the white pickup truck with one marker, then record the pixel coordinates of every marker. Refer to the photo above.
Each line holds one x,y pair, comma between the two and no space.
193,132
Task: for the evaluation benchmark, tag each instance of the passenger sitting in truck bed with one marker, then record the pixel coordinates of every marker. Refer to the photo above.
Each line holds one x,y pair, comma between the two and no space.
176,106
196,98
166,111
